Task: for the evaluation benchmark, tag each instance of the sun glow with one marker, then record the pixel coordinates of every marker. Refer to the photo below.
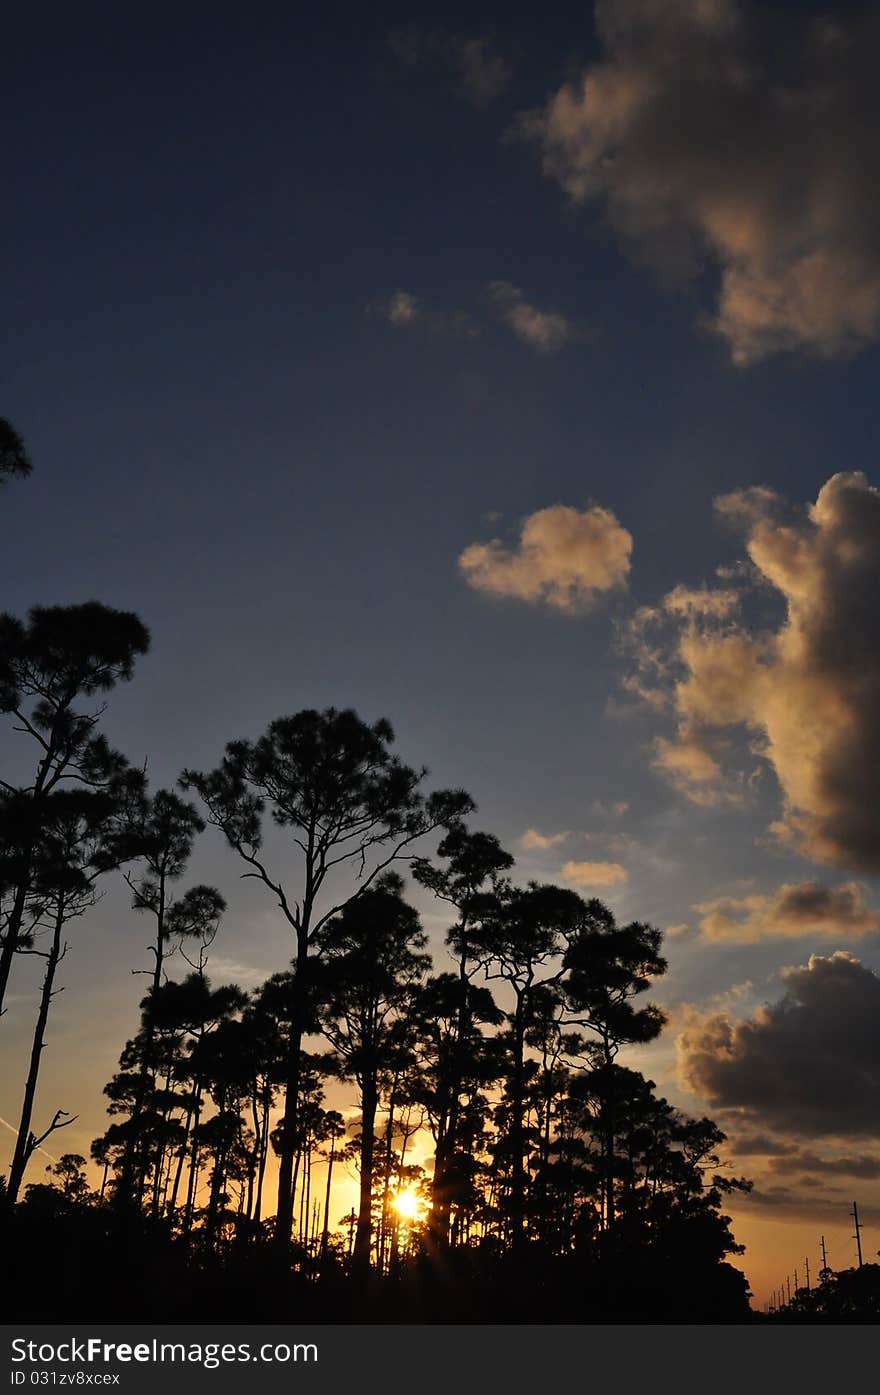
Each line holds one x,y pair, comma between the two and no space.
408,1205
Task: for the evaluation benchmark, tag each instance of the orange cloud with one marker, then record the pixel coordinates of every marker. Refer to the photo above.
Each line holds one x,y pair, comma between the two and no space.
594,873
565,558
692,768
702,600
808,692
697,140
794,909
534,841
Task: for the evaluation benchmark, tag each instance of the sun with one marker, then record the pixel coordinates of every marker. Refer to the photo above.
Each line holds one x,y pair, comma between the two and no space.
408,1205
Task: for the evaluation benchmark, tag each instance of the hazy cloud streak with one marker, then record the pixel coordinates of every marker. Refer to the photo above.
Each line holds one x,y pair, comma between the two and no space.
546,331
481,72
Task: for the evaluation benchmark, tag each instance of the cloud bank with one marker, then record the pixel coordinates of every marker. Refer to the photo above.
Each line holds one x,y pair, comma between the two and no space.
708,136
807,1065
806,692
863,1165
794,909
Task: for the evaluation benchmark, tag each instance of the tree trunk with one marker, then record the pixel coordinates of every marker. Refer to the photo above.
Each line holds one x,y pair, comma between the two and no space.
447,1137
517,1132
132,1174
438,1223
305,1194
608,1130
193,1181
287,1140
15,920
181,1158
264,1153
218,1175
12,933
25,1143
325,1234
386,1173
364,1236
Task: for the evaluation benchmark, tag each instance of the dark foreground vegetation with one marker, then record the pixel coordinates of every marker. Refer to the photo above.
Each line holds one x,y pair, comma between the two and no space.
850,1295
102,1267
558,1187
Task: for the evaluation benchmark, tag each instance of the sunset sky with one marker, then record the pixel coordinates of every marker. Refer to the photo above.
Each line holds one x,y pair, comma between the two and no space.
509,371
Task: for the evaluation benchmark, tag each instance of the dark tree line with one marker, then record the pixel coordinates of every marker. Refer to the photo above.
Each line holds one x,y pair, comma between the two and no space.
504,1154
846,1295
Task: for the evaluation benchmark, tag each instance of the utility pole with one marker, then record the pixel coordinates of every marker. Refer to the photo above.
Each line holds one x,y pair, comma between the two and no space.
858,1235
807,1267
824,1256
788,1287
